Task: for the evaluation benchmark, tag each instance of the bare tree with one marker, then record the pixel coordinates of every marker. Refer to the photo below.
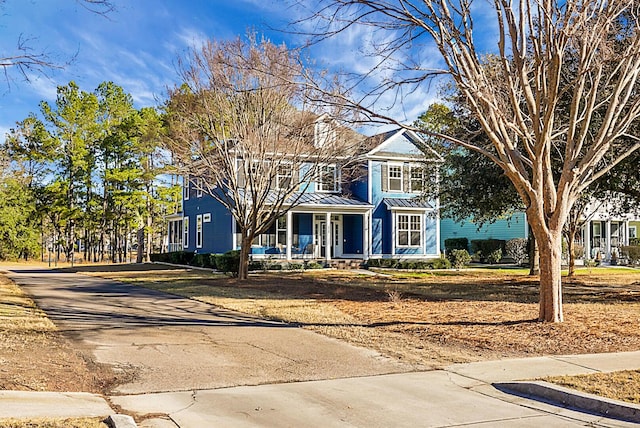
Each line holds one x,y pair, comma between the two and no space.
547,51
25,59
240,130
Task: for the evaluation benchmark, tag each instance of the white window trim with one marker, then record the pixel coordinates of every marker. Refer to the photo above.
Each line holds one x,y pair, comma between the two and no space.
185,231
206,218
411,180
336,183
409,230
185,188
394,165
199,231
199,187
635,231
280,176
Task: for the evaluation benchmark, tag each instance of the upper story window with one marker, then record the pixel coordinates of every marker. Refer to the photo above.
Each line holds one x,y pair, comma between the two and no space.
324,133
284,177
185,188
394,178
198,185
328,178
416,179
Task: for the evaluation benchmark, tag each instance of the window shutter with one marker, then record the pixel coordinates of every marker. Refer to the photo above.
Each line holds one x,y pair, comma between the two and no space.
385,175
405,177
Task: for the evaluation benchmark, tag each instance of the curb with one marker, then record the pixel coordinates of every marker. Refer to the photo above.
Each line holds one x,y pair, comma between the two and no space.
581,401
120,421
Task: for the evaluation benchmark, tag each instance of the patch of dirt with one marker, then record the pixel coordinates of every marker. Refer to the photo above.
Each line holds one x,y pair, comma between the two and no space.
35,356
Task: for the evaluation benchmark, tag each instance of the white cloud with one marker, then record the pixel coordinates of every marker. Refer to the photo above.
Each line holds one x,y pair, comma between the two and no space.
46,89
191,37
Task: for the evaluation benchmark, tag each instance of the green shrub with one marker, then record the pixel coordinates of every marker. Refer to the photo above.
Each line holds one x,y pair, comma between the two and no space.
495,256
313,265
256,265
451,244
634,242
486,248
228,262
517,249
294,266
443,263
204,260
632,252
159,257
459,258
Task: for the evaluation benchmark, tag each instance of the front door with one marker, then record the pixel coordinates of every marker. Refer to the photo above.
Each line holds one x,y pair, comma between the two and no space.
320,237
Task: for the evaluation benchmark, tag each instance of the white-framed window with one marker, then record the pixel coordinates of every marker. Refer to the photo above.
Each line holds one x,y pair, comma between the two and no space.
275,236
394,177
206,218
185,188
408,230
284,177
198,185
199,231
324,134
327,178
633,232
416,179
185,232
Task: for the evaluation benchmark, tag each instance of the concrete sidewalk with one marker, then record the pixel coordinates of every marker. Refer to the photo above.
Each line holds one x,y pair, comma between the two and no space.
461,394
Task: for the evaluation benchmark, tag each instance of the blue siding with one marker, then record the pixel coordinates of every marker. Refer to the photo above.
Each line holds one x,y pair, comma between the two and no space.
360,189
431,224
217,235
303,224
509,228
352,234
382,219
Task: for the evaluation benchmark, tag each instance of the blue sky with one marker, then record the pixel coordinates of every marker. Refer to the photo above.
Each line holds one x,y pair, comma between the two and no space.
137,45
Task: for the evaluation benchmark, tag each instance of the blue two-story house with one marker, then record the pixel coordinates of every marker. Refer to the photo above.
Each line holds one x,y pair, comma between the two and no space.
380,213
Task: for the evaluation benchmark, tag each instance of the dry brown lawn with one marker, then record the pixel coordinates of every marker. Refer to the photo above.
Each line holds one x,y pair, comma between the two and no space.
430,319
53,423
623,385
34,355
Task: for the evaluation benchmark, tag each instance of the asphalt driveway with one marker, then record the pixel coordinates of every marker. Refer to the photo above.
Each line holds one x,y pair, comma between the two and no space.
167,343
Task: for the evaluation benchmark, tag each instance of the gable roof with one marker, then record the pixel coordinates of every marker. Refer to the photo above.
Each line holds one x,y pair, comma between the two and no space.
382,145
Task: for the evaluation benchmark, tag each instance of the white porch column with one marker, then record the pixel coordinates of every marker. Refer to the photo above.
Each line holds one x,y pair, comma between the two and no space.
626,233
587,240
366,235
234,234
327,238
393,234
608,239
289,234
437,219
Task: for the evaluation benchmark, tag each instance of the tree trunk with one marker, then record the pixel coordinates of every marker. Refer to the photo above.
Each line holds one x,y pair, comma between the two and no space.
243,266
148,228
141,245
534,254
550,250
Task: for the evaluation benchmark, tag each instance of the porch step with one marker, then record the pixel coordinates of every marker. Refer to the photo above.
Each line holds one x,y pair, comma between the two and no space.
345,264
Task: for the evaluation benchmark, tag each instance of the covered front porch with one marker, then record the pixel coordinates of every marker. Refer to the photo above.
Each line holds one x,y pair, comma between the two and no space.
317,231
603,239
